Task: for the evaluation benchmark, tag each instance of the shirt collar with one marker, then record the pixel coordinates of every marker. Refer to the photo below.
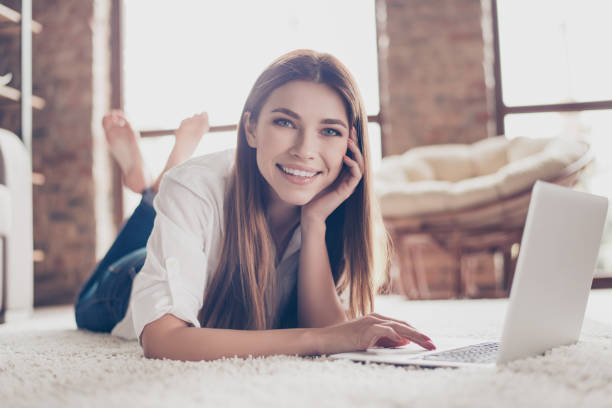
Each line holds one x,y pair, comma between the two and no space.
294,244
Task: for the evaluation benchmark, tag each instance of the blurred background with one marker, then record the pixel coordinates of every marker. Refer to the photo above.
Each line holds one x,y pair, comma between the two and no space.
430,72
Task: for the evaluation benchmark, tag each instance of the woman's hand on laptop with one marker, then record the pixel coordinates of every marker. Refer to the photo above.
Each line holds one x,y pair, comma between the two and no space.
370,331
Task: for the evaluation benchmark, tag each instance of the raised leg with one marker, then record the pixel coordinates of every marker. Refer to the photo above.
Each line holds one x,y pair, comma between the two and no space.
103,299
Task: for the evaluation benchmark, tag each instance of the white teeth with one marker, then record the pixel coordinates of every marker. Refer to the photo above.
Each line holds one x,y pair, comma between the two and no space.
297,172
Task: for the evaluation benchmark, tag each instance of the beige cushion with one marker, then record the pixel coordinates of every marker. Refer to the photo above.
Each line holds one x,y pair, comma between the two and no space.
437,178
447,162
489,155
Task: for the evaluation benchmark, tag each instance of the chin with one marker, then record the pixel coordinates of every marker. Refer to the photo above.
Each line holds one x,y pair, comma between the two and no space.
296,199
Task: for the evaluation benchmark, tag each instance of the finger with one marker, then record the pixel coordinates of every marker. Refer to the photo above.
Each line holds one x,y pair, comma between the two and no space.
378,315
354,167
372,342
345,186
394,340
384,331
357,153
353,179
385,342
404,329
350,162
413,335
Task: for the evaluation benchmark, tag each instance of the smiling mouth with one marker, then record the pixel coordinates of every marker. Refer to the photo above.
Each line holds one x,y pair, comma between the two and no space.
297,173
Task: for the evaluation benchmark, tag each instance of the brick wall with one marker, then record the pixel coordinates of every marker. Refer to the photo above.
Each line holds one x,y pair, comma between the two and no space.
435,72
72,209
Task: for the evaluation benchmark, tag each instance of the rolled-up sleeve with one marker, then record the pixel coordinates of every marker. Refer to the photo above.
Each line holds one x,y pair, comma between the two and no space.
173,277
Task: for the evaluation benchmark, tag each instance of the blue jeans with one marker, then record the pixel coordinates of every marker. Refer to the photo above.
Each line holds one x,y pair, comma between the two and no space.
103,299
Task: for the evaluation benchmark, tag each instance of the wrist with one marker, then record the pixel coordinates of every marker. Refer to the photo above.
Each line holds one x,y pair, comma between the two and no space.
317,340
312,224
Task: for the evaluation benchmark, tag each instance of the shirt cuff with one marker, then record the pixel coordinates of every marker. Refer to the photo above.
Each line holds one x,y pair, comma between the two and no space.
162,297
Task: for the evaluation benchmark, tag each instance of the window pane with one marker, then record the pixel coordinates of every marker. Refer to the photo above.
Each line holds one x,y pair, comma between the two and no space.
205,55
555,51
596,128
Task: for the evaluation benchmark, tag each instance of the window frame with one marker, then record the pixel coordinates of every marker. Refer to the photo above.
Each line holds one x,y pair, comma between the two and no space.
501,110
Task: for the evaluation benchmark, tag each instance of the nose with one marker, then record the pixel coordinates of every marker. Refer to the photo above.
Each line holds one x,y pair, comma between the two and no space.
305,144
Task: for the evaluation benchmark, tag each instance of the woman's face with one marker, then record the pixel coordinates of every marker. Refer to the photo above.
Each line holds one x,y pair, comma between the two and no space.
300,136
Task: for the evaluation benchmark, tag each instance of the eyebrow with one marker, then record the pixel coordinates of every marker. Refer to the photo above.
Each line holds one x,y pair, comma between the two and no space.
294,115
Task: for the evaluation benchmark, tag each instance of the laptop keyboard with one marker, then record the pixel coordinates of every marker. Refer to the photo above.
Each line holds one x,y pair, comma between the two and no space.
477,353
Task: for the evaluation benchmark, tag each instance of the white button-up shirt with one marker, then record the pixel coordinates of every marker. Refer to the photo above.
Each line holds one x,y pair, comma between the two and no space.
183,250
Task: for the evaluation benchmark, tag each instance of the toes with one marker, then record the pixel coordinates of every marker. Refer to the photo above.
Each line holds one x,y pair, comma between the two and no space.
119,116
107,120
113,119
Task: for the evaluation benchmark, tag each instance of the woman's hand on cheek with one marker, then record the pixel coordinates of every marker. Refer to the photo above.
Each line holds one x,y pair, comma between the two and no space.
324,203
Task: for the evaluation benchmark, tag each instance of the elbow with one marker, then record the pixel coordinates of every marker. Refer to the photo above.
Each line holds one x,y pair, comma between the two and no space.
149,351
153,355
156,346
156,337
156,349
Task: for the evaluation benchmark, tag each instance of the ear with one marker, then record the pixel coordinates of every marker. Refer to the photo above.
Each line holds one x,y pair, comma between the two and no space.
249,130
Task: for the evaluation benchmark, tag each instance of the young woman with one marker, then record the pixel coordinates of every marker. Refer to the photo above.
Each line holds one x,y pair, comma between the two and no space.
251,250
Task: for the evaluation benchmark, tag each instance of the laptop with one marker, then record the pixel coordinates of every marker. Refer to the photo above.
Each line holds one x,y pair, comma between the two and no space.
550,289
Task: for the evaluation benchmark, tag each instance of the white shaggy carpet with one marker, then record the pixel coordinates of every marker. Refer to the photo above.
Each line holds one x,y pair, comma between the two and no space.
46,362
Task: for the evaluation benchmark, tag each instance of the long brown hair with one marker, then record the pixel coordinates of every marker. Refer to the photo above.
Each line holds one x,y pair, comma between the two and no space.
241,291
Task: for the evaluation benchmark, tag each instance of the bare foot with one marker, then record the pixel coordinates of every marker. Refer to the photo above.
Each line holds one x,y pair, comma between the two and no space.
187,138
123,144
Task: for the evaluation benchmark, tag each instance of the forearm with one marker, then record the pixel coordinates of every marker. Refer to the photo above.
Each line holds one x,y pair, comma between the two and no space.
196,344
318,302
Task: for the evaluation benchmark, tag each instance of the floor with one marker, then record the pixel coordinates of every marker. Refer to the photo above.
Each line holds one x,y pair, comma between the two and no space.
68,367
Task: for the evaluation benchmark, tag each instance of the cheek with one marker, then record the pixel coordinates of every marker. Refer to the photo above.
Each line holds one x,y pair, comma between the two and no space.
273,140
266,146
336,159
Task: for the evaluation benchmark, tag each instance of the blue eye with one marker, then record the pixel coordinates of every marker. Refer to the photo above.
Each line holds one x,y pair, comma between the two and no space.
334,132
283,122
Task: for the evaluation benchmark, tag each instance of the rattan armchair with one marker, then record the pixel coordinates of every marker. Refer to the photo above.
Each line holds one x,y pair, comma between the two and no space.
469,251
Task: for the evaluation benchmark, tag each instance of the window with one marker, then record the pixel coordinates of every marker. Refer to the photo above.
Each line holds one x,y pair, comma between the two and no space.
555,80
186,56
